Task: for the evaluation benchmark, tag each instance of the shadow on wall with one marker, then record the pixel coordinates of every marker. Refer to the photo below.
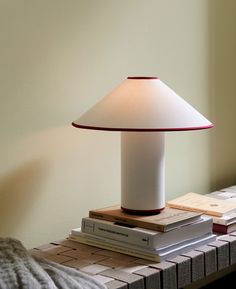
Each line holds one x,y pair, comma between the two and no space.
18,190
47,181
222,67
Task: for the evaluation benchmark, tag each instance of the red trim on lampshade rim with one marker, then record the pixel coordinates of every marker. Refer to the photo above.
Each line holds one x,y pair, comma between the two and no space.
142,212
142,77
141,129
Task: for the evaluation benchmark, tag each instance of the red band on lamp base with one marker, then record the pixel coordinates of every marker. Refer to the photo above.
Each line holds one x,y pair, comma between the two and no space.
142,212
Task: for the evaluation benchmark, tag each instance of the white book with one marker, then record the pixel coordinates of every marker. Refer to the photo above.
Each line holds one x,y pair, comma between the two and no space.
145,237
229,189
226,220
223,195
154,255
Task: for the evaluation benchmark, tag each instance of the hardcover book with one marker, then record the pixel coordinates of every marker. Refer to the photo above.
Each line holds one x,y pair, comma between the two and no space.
145,237
225,220
168,219
153,255
201,203
224,229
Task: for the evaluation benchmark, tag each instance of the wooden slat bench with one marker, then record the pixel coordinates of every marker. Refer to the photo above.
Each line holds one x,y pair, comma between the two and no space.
118,271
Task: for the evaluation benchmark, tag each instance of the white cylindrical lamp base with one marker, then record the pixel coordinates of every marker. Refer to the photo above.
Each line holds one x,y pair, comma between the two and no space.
142,172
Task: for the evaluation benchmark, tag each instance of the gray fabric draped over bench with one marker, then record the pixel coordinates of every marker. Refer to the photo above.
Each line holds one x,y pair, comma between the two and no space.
19,270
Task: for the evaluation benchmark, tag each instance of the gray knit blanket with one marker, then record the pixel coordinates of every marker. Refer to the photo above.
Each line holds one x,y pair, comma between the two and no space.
19,270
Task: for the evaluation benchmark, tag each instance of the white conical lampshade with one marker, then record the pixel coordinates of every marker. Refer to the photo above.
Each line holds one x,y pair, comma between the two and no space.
142,104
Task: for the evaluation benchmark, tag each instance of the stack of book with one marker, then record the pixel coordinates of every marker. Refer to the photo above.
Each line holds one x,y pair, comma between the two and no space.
216,204
156,237
228,194
227,223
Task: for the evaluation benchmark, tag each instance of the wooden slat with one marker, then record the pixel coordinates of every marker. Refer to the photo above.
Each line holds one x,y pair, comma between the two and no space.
168,274
210,259
231,240
197,264
183,267
152,278
222,253
134,281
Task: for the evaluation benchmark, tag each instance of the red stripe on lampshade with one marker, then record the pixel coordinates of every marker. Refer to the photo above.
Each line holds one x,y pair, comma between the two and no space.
140,129
142,77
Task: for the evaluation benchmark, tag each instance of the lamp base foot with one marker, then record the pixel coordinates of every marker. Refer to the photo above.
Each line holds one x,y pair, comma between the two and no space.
142,212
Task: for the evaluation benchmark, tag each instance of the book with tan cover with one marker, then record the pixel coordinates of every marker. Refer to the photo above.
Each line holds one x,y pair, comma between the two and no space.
168,219
201,203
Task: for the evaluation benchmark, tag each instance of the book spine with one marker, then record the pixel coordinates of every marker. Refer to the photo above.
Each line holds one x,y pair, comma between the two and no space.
117,232
124,220
220,221
119,249
224,222
220,228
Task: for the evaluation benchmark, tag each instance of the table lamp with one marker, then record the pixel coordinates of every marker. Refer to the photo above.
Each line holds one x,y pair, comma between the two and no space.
143,109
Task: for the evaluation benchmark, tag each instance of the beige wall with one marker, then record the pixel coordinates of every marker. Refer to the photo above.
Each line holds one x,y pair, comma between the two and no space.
223,73
58,58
